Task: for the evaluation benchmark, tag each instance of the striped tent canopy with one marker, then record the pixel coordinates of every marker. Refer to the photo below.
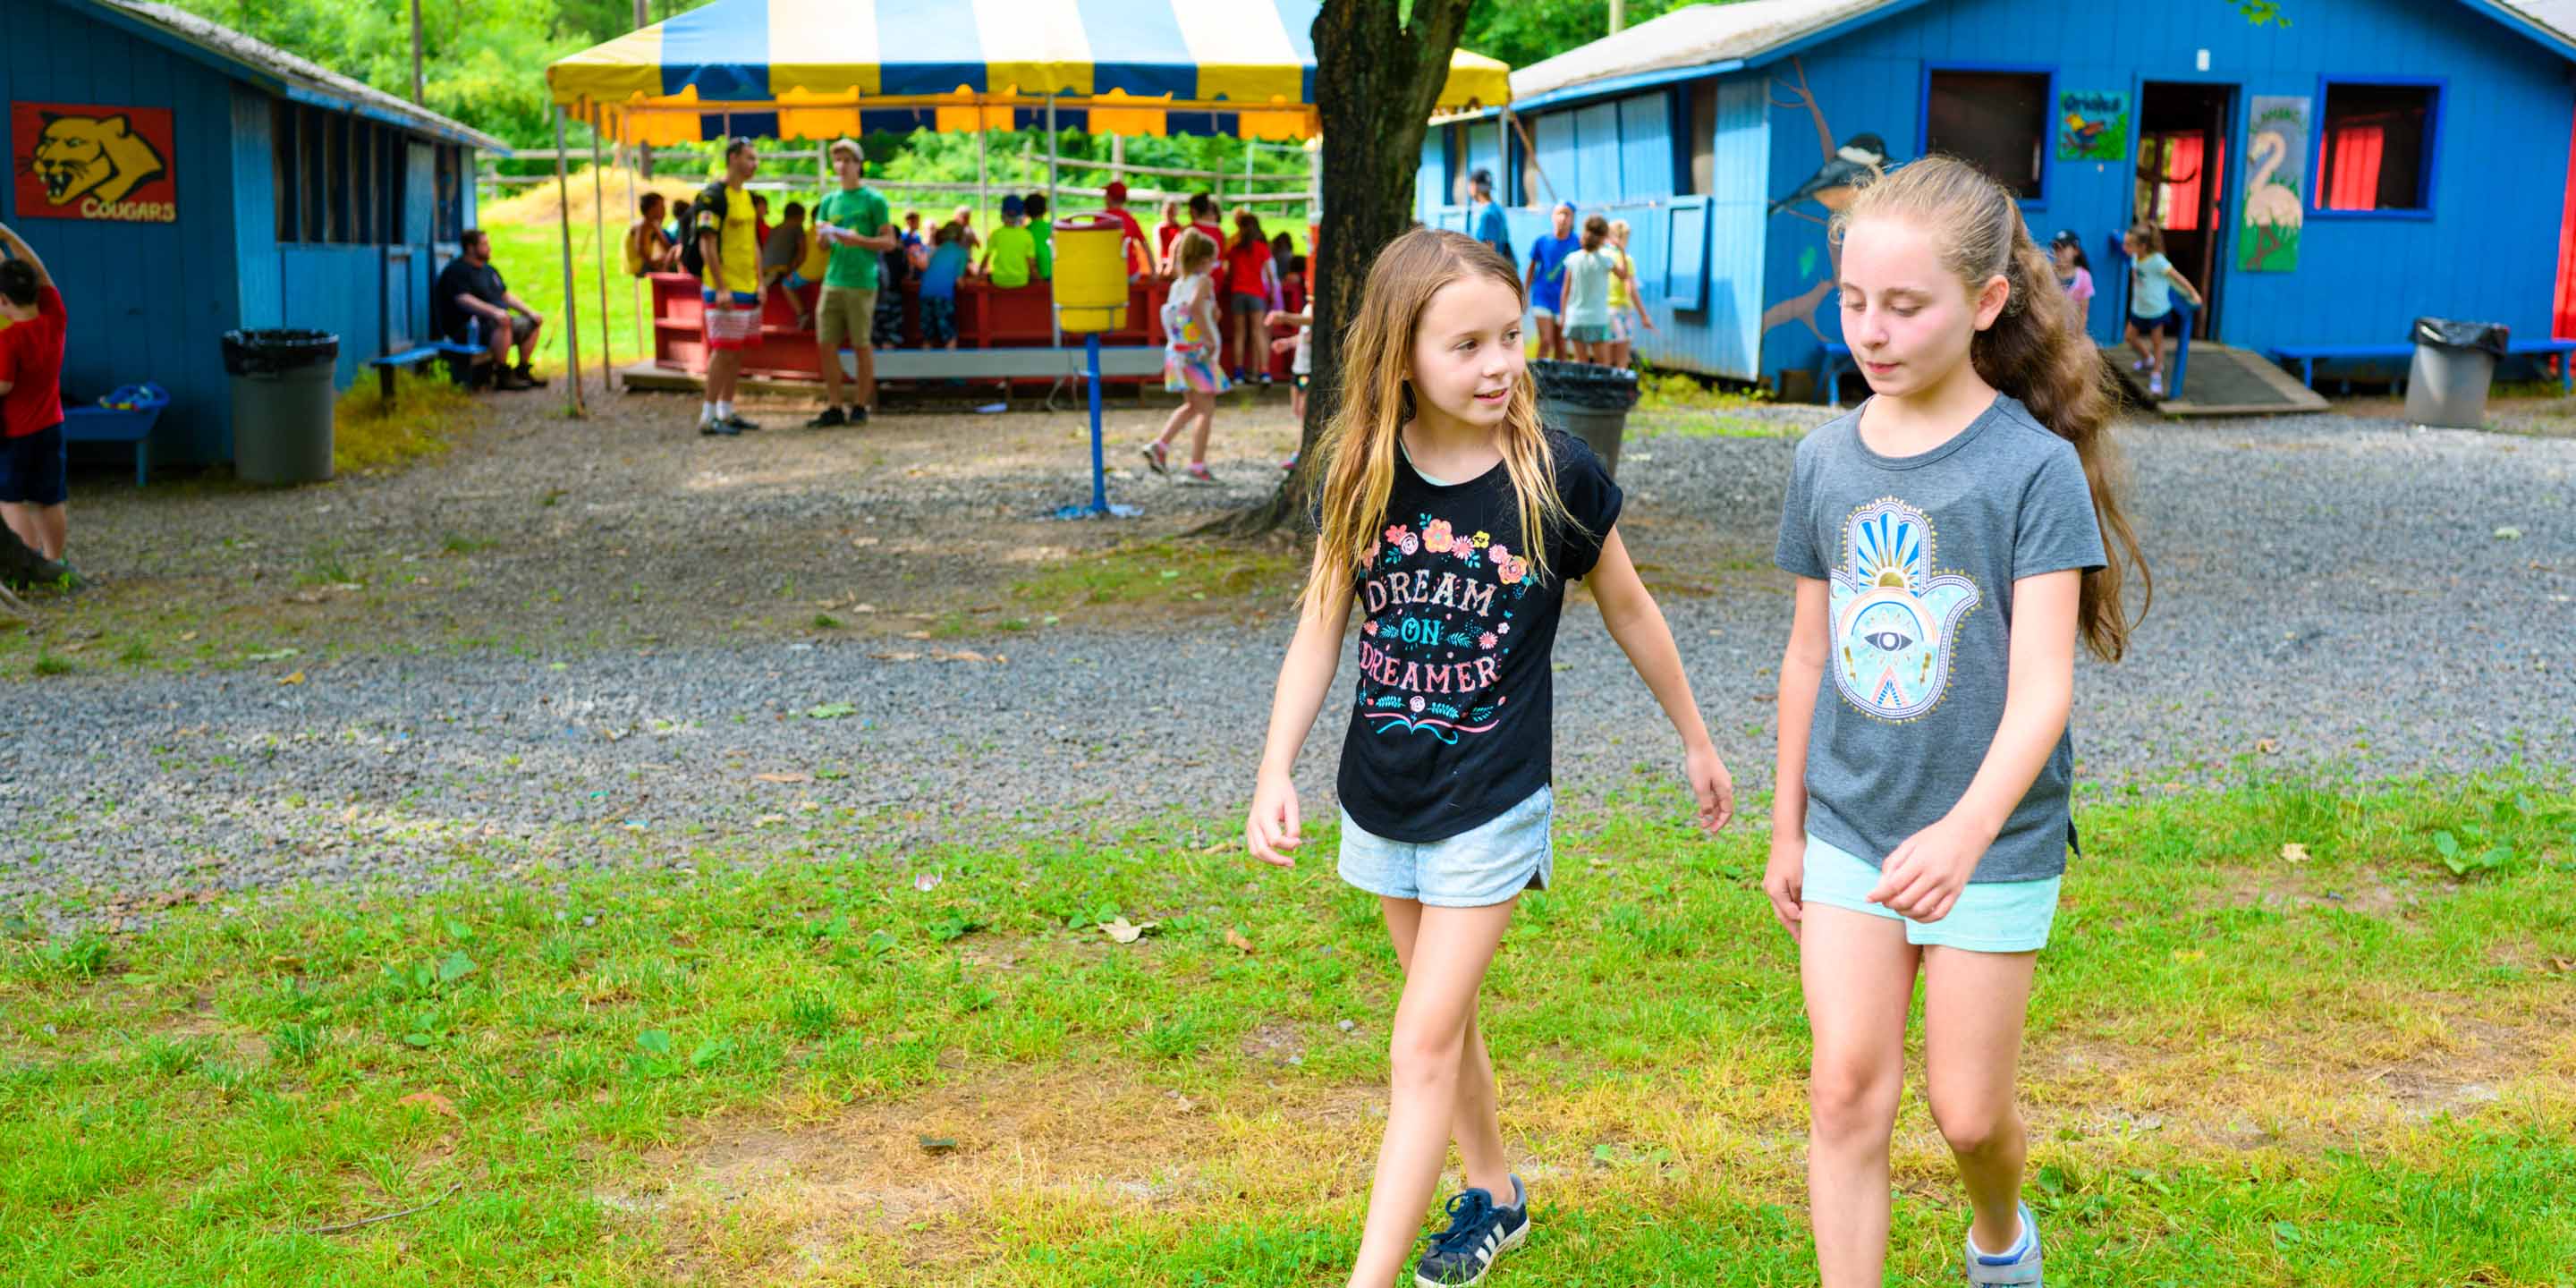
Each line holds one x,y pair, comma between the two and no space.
811,69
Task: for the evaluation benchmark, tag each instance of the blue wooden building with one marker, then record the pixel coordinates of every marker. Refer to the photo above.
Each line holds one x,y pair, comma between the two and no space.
2325,182
182,180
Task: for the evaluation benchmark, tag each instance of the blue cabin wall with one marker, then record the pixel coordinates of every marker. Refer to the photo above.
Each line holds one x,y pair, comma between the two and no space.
1698,257
2488,250
147,301
151,301
2500,155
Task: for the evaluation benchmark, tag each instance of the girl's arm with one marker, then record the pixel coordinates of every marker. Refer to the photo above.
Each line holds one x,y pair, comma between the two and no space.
1802,670
1637,299
1630,613
2184,283
1304,677
2084,314
1923,878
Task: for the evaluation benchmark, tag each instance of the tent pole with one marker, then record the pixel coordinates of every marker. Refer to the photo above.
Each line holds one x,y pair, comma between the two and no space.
981,137
563,218
1054,321
599,256
635,290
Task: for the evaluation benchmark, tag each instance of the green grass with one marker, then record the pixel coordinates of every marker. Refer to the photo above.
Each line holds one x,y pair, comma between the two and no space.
927,1065
1168,572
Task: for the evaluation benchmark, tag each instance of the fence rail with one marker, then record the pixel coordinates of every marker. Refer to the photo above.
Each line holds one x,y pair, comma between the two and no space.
488,175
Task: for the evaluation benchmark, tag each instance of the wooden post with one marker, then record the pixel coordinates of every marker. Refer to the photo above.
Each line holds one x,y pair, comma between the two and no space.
982,137
1055,321
572,331
599,257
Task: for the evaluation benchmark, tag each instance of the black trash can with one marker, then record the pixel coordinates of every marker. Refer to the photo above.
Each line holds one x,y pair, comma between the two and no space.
2454,363
1589,401
282,398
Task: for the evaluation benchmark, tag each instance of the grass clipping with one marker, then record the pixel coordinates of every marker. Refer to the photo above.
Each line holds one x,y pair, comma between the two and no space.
425,417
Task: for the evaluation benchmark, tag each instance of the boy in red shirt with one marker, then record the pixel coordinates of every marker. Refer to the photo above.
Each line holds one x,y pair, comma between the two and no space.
32,483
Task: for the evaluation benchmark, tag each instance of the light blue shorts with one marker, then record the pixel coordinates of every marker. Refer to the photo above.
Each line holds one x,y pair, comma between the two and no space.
1990,917
1474,869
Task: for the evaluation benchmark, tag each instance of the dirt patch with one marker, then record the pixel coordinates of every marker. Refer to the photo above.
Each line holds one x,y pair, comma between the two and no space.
2286,888
772,1198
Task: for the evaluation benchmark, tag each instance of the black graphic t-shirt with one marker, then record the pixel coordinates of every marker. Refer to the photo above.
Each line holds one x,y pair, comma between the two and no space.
1451,722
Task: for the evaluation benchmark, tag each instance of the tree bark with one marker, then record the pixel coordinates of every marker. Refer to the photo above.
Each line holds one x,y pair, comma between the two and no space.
1377,78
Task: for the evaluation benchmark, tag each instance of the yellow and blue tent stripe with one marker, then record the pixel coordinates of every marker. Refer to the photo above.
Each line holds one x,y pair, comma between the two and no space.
808,68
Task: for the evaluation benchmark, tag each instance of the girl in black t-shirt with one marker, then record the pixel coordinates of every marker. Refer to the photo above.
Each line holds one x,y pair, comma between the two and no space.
1453,520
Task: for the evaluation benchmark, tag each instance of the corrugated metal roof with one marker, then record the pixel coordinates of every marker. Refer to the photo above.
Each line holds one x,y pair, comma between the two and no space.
233,47
1714,35
1691,37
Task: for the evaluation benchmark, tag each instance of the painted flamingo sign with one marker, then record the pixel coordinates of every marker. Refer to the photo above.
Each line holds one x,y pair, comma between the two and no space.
2276,160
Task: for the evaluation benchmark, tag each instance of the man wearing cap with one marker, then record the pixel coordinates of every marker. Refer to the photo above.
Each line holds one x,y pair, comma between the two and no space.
1485,216
1140,252
729,255
855,223
1011,252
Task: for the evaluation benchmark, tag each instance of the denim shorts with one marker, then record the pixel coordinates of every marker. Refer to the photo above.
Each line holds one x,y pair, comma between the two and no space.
1990,917
1474,869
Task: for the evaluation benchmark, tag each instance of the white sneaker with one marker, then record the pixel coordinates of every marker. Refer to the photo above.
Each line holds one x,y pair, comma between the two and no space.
2018,1267
2156,384
2139,365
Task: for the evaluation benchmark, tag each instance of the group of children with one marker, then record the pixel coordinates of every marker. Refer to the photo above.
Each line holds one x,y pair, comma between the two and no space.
1583,290
1921,822
2153,279
1247,272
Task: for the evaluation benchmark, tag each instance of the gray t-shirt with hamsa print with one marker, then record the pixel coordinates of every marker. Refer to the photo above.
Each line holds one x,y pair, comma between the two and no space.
1920,554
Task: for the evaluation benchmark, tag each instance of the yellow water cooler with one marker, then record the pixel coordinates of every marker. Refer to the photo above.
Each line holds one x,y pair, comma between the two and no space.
1091,297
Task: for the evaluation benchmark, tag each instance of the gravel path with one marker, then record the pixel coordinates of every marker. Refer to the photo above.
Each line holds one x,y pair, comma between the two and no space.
2331,591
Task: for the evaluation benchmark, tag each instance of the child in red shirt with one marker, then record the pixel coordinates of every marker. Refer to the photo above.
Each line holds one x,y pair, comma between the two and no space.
1252,285
32,473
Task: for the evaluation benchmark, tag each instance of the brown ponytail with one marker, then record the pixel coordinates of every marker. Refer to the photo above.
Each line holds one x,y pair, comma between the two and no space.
2033,352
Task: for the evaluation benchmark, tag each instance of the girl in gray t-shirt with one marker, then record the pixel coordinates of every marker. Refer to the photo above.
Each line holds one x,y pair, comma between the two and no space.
1949,544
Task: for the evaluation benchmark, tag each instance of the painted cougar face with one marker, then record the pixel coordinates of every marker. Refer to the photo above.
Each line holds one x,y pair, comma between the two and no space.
92,156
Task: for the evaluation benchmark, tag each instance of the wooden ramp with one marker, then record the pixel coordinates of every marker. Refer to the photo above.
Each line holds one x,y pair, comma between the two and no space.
2221,380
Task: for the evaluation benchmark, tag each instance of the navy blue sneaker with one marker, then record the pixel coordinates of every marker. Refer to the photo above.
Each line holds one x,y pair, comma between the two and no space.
1479,1233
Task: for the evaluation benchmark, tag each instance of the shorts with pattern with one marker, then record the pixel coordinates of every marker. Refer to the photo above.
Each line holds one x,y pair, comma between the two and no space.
938,320
731,324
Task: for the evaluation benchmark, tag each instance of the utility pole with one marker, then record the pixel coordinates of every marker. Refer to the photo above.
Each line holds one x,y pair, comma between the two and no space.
1618,16
417,95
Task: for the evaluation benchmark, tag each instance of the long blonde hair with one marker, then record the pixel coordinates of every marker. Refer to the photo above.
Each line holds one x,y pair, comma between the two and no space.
1359,444
2034,352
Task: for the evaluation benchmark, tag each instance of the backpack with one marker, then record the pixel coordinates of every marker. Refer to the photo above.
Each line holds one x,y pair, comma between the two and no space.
710,201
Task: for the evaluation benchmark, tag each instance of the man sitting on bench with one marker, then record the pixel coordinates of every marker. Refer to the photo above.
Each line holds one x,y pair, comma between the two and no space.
470,290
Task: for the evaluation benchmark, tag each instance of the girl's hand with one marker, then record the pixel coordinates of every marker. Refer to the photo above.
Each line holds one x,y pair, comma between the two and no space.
1785,880
1923,878
1713,785
1272,825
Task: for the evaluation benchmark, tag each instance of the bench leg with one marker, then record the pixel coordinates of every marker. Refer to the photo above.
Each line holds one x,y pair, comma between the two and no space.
142,461
385,383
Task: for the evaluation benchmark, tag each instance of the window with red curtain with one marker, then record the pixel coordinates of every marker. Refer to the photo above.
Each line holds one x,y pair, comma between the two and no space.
2376,141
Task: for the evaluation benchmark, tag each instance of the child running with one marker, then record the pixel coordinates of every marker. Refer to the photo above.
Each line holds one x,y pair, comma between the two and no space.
1948,540
1190,357
2152,281
1454,521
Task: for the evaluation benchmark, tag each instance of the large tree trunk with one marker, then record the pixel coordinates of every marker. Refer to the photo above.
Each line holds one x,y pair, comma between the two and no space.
1376,79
